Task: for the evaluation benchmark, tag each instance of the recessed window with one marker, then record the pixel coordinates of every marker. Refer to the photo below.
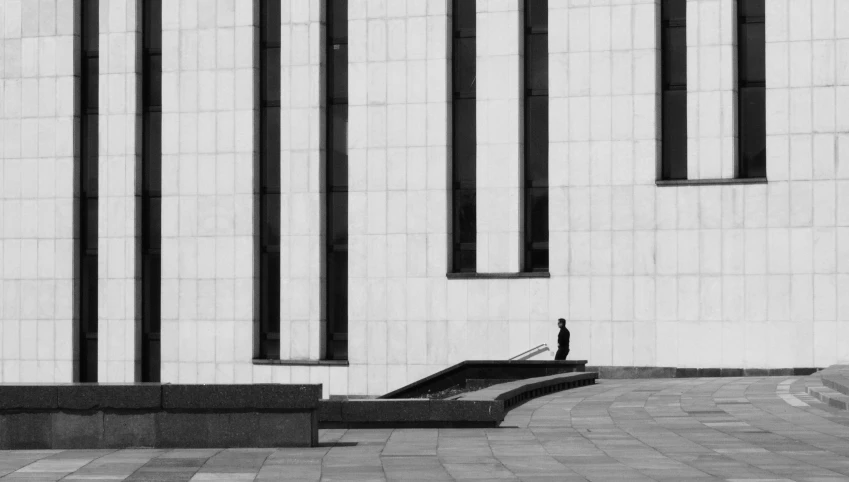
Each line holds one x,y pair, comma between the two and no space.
151,189
536,136
464,139
336,200
89,71
751,90
269,179
674,89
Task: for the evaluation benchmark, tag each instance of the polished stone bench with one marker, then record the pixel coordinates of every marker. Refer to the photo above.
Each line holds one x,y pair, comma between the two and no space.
91,416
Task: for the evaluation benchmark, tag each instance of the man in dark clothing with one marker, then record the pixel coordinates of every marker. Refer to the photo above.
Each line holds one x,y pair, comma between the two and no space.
562,341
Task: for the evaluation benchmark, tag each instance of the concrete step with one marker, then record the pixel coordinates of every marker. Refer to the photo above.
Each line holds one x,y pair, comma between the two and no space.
836,377
830,397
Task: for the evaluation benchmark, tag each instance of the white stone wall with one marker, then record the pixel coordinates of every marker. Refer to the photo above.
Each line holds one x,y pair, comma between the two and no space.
690,276
711,89
37,190
302,182
119,182
604,146
807,200
397,139
208,144
499,103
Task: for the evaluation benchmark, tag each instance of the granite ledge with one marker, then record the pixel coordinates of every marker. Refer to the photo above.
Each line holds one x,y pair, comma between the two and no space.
270,396
710,182
299,363
520,275
95,396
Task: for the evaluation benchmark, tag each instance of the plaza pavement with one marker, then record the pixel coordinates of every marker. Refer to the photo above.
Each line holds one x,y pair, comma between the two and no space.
734,429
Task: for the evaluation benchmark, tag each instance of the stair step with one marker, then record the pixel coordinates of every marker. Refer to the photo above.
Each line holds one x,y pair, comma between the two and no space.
830,397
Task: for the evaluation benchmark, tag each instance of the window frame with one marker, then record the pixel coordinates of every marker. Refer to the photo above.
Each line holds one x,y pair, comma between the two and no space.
269,178
88,192
751,91
463,147
535,244
673,153
336,152
151,202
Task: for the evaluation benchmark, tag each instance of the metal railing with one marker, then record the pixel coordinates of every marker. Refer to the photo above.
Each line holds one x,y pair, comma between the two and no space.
532,352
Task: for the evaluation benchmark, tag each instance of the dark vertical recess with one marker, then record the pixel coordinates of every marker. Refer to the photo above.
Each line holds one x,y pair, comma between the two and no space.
674,89
151,189
269,179
464,139
536,136
337,180
751,89
87,342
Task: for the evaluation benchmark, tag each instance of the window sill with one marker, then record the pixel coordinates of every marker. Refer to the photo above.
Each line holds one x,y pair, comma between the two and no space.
710,182
302,363
540,274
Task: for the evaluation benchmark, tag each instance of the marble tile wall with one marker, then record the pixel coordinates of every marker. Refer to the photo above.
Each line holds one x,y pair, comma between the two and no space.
37,191
711,89
689,276
208,190
500,100
119,178
302,181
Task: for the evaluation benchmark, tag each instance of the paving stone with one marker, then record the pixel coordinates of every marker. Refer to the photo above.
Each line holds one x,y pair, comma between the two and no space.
725,428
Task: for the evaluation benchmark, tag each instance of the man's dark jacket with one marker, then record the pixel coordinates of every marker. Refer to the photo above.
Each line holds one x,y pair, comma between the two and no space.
563,338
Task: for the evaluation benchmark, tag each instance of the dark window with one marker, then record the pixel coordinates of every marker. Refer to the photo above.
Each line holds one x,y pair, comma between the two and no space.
463,176
151,189
336,200
536,136
88,192
269,180
674,89
752,88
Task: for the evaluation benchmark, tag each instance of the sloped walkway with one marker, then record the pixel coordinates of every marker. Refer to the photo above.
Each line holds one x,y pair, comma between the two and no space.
736,429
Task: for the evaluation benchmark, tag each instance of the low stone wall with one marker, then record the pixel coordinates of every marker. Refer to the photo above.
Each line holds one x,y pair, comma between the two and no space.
516,392
482,408
410,413
459,374
92,416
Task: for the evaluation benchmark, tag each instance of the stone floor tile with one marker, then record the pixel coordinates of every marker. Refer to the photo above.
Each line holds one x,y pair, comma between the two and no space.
763,428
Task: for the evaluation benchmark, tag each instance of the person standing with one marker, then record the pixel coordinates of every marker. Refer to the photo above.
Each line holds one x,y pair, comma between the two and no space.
562,340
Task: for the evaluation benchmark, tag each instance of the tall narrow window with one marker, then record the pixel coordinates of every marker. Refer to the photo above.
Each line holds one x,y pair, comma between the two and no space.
151,188
269,180
751,90
89,71
463,216
337,180
536,135
674,89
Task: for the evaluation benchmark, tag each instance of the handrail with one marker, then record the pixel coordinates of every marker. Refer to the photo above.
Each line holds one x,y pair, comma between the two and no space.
533,351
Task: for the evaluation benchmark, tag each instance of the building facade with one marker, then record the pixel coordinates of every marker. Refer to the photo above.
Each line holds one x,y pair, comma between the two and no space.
360,193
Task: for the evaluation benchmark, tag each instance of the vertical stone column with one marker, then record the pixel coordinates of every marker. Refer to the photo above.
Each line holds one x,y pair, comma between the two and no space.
119,177
37,129
302,183
208,190
711,89
499,135
398,177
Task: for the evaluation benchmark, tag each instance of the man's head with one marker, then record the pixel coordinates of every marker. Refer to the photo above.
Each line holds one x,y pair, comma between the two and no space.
561,322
